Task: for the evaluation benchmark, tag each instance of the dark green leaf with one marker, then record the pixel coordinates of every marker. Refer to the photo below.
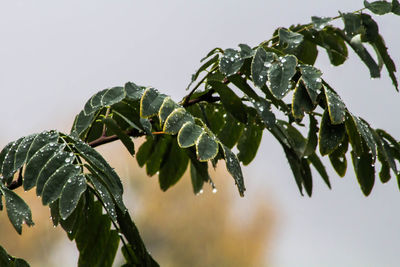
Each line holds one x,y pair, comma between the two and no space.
312,138
231,131
301,101
94,103
242,84
280,74
330,135
295,165
17,210
82,123
233,167
380,46
8,169
320,23
396,7
206,147
70,195
365,171
189,134
366,134
160,147
378,7
352,24
133,91
166,108
151,102
263,108
125,139
288,39
176,120
336,107
203,68
231,62
112,96
246,51
199,174
7,260
173,167
249,142
316,162
260,64
231,102
338,157
352,132
312,80
144,151
334,44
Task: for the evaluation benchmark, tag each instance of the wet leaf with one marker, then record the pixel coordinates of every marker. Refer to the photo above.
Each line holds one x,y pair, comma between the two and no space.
330,135
189,134
396,7
112,96
249,142
320,22
233,167
231,131
206,147
312,80
260,64
176,120
242,84
144,151
231,62
133,91
125,139
301,101
151,102
336,107
203,67
312,138
166,108
246,51
338,157
316,162
280,74
365,171
288,39
263,108
70,195
17,210
158,153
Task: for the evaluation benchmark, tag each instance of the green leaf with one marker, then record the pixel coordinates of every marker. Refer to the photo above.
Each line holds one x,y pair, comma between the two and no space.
203,67
288,39
352,24
246,51
133,92
231,62
263,108
231,102
316,162
206,147
94,103
312,80
189,134
312,138
173,167
233,167
231,131
260,64
338,157
334,44
366,134
112,96
70,195
354,136
150,102
212,52
125,139
330,135
319,23
176,120
166,108
82,123
396,7
199,174
279,75
7,260
242,84
144,151
159,151
380,46
296,167
249,142
17,210
8,169
301,101
378,7
96,249
336,107
365,171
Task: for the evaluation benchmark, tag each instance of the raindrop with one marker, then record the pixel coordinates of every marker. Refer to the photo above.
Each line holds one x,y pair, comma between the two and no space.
67,160
318,80
215,190
283,60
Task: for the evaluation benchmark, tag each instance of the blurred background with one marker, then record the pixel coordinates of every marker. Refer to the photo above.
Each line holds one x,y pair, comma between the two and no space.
55,54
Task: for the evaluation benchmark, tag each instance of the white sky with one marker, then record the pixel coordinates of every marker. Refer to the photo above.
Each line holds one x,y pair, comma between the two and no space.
55,54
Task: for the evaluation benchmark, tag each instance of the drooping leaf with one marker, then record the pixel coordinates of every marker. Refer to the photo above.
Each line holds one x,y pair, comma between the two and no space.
242,84
173,166
279,75
260,64
336,107
231,131
246,51
301,101
338,157
352,24
366,134
380,46
316,162
263,108
249,142
312,137
233,167
312,80
231,62
203,67
70,195
199,175
295,166
378,7
330,135
354,136
231,102
159,151
7,260
365,171
331,39
125,139
396,7
144,151
17,210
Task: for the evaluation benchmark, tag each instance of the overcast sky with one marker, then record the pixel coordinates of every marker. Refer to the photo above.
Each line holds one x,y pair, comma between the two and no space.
55,54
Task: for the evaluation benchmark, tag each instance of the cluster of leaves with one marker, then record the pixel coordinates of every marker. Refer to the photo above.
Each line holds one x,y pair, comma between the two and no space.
242,92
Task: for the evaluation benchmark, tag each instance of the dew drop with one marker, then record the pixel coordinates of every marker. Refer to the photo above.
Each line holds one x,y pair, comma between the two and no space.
215,190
